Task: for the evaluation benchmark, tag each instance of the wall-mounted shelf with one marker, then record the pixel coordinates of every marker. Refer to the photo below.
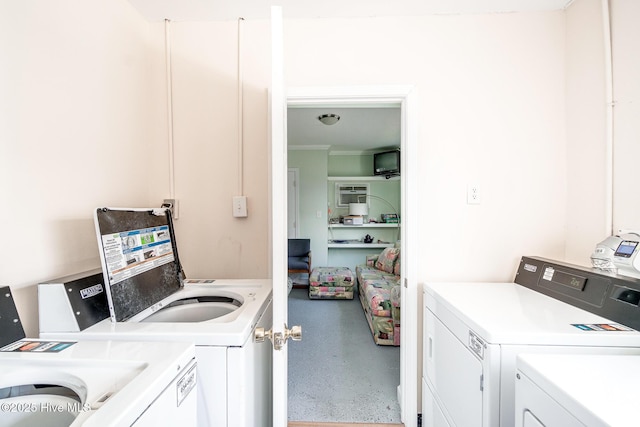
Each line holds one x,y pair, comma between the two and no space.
359,245
369,225
351,231
362,178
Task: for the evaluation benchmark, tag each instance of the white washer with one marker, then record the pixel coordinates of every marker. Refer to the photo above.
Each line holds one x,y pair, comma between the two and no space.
56,383
473,333
577,390
149,300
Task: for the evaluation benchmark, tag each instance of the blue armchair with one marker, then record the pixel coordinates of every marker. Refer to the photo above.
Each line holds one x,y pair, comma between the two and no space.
299,256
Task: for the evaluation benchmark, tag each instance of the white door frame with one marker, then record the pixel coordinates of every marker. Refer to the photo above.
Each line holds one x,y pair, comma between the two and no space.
385,95
278,215
296,202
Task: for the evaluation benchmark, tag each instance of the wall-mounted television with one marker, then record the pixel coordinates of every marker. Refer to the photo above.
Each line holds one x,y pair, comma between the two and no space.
387,163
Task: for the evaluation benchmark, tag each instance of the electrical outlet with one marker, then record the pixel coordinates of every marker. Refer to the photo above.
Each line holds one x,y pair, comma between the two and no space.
473,194
172,204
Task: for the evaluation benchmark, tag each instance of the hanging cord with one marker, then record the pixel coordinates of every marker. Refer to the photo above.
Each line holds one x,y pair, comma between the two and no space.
174,245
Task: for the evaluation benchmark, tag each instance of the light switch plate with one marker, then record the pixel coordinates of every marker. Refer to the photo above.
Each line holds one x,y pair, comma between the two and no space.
240,206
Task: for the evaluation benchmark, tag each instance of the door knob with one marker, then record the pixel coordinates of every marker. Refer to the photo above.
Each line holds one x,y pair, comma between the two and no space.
279,339
260,334
295,333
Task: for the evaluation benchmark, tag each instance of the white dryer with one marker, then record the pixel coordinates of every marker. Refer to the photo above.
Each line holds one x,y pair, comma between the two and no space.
68,383
148,299
473,333
577,390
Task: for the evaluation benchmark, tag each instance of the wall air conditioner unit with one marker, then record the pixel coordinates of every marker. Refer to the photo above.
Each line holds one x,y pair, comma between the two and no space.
351,193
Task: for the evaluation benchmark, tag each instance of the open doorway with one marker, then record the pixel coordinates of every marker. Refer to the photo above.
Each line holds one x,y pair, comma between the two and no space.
374,106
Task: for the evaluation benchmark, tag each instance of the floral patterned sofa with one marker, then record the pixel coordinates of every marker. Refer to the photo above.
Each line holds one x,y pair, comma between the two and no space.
379,292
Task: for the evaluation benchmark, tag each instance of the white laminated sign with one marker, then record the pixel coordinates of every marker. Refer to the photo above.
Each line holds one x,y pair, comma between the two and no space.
130,253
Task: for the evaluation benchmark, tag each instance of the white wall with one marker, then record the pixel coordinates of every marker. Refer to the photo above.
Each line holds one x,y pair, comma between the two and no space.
491,91
212,242
586,135
81,125
587,203
491,100
625,15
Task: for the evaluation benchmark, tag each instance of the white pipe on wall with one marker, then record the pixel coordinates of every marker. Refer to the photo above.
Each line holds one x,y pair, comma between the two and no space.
240,113
167,46
609,144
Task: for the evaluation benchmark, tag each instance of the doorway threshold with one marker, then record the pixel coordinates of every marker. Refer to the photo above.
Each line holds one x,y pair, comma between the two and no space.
318,424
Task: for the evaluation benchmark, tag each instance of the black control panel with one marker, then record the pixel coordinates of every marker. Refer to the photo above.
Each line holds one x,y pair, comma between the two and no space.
10,326
608,295
87,296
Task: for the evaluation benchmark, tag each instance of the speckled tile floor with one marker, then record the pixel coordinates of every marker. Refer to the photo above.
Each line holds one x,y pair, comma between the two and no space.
337,372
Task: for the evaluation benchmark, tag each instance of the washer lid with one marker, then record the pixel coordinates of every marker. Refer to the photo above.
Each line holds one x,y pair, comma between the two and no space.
598,390
10,326
139,258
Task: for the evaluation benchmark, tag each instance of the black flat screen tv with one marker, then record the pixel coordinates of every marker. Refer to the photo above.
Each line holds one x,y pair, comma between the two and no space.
387,163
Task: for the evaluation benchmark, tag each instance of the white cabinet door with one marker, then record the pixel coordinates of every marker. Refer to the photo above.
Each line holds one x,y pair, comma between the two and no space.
432,415
454,374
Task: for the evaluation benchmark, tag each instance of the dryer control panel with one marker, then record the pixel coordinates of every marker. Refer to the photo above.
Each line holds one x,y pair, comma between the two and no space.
608,295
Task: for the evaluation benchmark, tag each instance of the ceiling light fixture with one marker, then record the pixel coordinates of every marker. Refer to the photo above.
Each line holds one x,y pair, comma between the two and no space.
329,119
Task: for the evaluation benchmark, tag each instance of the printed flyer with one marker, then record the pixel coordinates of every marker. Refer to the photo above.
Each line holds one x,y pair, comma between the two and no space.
130,253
